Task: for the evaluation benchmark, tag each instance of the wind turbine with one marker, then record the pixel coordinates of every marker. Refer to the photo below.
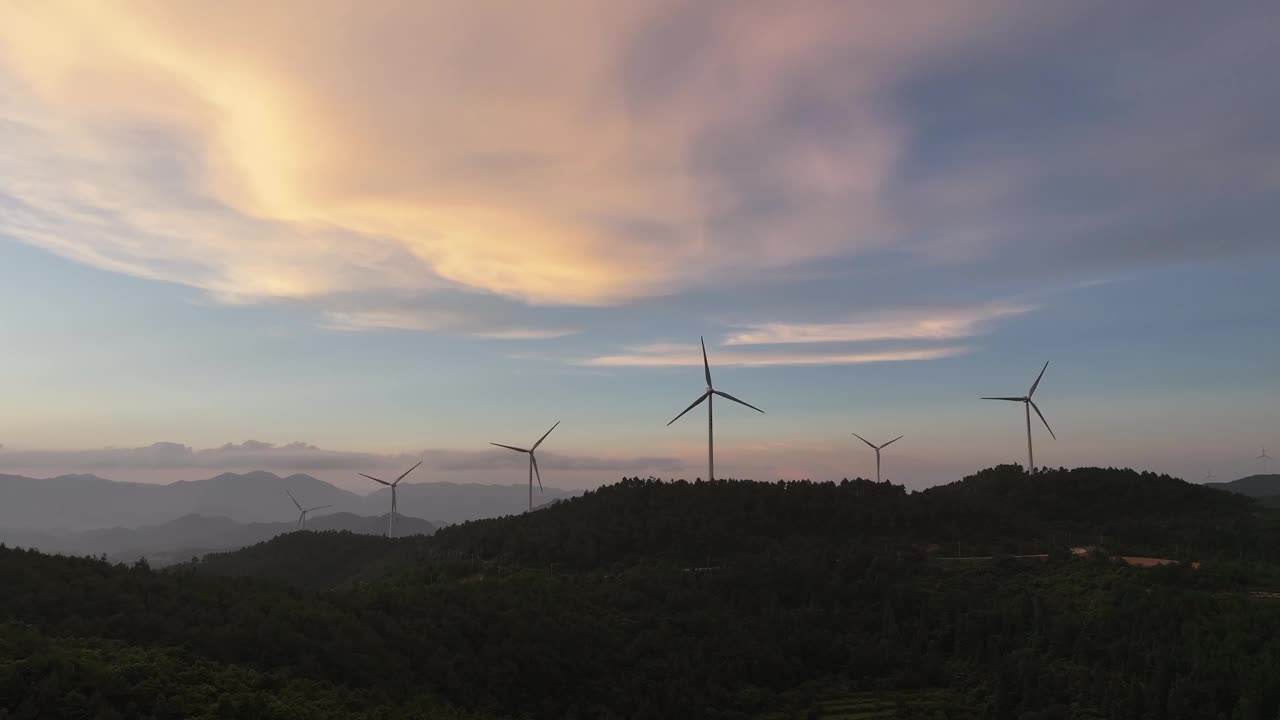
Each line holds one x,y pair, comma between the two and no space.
391,519
1264,459
302,517
877,448
1208,477
1029,405
533,460
711,455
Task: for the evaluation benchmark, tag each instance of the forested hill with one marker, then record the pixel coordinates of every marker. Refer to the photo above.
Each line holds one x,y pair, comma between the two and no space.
1001,510
1259,486
682,600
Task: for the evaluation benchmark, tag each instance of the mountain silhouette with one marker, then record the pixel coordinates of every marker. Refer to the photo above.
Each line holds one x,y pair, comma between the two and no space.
77,503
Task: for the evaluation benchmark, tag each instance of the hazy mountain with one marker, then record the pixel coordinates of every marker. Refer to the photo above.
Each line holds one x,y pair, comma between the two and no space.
190,535
74,503
1253,485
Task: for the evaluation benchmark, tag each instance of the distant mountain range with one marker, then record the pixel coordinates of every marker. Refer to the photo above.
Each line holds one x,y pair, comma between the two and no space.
191,535
77,503
1258,486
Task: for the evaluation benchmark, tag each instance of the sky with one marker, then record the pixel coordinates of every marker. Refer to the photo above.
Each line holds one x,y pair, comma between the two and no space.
332,236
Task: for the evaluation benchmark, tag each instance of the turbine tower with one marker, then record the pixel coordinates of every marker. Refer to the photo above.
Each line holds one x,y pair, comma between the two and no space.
877,448
1265,460
711,455
302,516
533,460
1029,405
391,519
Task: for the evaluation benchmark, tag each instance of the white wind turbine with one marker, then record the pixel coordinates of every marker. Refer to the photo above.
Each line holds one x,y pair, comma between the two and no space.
302,517
533,460
1265,460
877,448
711,455
1029,405
391,519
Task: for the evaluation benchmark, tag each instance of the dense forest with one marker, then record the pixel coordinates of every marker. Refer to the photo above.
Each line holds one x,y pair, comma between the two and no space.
648,599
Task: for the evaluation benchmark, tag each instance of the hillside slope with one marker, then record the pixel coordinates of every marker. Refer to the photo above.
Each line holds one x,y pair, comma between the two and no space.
190,535
822,597
1253,485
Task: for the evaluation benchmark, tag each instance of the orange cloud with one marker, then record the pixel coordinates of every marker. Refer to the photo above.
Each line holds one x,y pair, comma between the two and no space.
301,149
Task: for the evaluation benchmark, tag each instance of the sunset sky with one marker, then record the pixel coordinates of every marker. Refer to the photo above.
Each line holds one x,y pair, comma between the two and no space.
331,236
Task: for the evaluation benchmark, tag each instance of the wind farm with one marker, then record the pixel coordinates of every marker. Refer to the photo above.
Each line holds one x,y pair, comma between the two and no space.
332,250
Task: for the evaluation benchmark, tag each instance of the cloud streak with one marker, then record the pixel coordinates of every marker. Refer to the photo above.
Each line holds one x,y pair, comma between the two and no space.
928,324
690,355
436,321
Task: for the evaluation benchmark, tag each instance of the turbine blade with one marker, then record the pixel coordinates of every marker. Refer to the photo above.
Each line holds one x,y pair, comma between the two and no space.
544,437
727,396
706,366
1011,399
892,442
384,482
321,507
510,447
1046,422
695,404
868,442
406,472
534,460
294,499
1037,382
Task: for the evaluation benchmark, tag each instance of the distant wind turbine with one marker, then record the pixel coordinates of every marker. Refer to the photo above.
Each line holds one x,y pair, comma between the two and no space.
877,448
391,519
1208,477
1265,460
711,455
302,517
533,460
1028,406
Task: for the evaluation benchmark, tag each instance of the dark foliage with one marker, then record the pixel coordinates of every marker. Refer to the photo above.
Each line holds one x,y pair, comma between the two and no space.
678,600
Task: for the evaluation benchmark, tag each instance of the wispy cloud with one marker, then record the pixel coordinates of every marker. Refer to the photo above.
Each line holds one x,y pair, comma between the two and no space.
675,356
917,324
436,321
579,153
594,153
